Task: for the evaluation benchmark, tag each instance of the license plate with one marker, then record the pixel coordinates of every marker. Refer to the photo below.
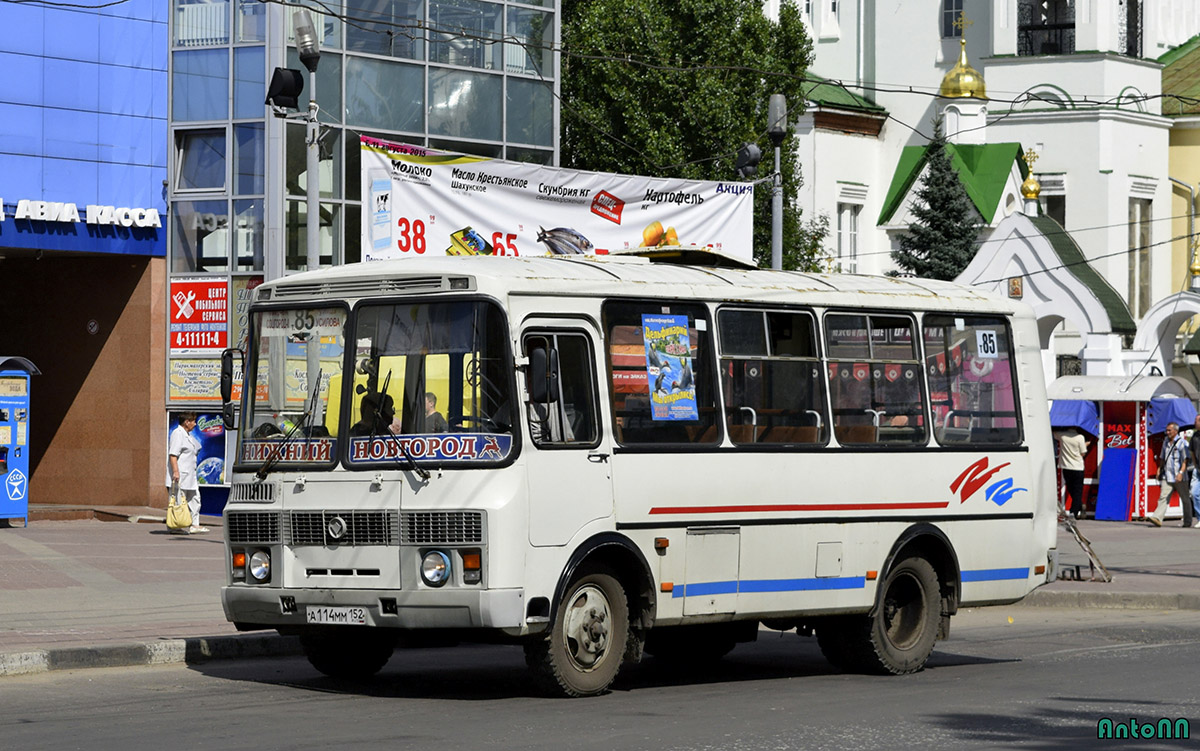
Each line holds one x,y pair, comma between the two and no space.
338,616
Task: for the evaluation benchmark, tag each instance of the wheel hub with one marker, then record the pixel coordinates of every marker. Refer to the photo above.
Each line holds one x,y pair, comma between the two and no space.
586,627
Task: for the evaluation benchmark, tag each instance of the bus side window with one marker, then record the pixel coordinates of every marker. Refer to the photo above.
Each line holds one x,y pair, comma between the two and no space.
566,413
875,381
662,373
772,378
970,364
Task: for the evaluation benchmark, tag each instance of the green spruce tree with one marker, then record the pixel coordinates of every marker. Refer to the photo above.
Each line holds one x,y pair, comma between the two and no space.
942,240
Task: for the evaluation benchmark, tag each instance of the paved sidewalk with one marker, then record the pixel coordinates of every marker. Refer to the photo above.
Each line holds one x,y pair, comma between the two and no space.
90,593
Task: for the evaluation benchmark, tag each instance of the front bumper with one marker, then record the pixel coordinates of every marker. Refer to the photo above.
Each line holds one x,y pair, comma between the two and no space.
446,608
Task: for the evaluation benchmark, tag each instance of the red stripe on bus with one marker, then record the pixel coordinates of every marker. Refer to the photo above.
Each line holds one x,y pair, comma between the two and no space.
797,507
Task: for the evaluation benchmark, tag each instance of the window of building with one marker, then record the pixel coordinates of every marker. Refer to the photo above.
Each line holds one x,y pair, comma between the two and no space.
533,31
249,171
875,383
329,84
969,360
465,105
200,160
530,112
248,235
201,23
329,162
663,390
771,377
461,33
200,85
296,245
1139,256
386,27
200,236
567,416
251,21
385,95
847,237
1055,208
951,12
249,82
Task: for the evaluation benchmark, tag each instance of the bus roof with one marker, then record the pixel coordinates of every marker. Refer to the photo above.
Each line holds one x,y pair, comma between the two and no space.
593,276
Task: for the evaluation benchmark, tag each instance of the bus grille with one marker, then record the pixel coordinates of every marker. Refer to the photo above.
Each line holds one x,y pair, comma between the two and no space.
253,492
441,527
253,526
362,528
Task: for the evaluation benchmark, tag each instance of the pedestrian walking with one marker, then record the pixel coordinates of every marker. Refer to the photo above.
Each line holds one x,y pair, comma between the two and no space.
183,451
1172,473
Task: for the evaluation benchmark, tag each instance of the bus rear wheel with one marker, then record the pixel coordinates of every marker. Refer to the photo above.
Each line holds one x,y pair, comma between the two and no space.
353,654
899,636
585,646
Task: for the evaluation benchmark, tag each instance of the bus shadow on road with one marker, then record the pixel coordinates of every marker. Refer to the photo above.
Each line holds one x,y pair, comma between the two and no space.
490,672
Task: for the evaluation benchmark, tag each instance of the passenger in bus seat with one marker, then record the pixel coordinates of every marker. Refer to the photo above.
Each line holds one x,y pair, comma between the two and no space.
434,422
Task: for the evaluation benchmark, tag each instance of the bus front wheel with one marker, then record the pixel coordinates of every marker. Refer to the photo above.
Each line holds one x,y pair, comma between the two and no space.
899,636
583,651
353,654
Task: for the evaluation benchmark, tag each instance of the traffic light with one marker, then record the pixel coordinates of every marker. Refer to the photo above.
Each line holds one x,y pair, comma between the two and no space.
747,159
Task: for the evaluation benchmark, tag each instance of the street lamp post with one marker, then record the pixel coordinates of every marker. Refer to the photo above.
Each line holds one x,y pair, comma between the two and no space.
310,55
777,129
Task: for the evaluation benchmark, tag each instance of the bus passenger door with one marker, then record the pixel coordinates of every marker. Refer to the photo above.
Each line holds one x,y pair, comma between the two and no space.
567,458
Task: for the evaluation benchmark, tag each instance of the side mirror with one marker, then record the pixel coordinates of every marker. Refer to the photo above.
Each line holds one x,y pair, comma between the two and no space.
543,375
227,387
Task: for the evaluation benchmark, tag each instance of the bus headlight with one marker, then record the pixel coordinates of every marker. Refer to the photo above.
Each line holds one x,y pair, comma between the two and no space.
260,565
435,568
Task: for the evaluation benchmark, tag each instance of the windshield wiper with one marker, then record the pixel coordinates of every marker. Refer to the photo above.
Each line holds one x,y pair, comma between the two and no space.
412,463
301,424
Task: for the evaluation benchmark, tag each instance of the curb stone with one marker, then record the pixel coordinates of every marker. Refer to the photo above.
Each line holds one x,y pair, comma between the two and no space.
1113,600
189,651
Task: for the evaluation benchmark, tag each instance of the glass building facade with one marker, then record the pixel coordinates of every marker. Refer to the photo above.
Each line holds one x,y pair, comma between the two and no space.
463,75
472,76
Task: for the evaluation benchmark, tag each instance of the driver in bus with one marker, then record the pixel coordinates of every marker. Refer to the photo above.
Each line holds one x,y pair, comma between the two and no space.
375,419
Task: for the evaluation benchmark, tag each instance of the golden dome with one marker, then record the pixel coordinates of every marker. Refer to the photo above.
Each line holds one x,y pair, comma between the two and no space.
1031,188
963,80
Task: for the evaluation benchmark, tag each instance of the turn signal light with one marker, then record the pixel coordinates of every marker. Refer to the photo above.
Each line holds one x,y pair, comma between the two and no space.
472,566
872,575
238,567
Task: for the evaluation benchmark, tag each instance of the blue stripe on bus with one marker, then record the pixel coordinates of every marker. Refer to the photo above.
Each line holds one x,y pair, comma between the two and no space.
994,574
767,585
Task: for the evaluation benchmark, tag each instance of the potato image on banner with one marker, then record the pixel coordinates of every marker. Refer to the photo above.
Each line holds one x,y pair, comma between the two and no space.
652,235
671,237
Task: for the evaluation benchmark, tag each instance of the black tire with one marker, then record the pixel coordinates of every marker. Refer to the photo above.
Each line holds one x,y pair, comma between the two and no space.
898,638
582,652
354,654
685,646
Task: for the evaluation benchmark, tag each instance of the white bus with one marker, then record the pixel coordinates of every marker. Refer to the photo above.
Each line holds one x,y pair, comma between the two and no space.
596,457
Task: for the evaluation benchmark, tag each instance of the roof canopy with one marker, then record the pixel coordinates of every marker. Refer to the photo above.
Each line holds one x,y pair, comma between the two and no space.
1121,388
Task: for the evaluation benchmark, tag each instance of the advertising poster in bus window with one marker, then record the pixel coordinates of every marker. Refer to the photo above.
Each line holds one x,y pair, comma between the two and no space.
669,367
199,310
210,463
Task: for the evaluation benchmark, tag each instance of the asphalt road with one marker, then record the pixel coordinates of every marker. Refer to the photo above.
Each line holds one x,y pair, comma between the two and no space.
1041,681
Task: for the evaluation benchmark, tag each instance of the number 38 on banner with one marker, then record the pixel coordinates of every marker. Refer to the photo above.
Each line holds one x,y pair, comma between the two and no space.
411,235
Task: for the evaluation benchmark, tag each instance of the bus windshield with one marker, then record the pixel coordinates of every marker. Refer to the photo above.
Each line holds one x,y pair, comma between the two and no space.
288,421
432,382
